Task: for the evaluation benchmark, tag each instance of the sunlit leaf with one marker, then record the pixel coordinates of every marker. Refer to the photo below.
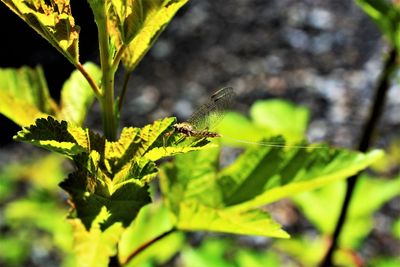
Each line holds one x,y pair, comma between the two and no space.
43,215
396,228
193,216
268,118
140,23
194,196
152,221
204,197
77,96
210,253
42,172
53,21
295,248
94,247
316,249
135,142
220,252
53,135
385,262
90,192
264,175
359,221
17,251
281,117
24,95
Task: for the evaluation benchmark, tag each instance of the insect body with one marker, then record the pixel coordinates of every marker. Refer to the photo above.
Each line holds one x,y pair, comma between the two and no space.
207,115
188,130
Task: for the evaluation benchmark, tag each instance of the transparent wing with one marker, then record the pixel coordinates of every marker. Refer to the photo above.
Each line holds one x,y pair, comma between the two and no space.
211,113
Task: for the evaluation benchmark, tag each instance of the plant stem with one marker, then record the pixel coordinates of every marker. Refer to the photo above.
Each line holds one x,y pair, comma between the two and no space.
146,245
107,80
381,90
89,78
123,91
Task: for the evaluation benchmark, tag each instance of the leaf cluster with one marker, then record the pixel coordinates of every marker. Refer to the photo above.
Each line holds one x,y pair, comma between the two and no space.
114,175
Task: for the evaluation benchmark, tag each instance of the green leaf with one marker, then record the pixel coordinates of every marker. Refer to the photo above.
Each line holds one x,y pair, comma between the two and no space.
268,118
77,96
281,118
44,172
264,175
94,247
55,136
140,23
52,21
191,177
396,228
211,253
90,194
295,248
135,142
257,259
151,143
359,222
152,221
193,216
17,251
386,15
203,196
235,126
220,252
40,214
193,195
24,95
385,262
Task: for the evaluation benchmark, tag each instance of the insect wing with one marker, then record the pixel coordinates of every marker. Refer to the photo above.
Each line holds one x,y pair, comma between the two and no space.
211,113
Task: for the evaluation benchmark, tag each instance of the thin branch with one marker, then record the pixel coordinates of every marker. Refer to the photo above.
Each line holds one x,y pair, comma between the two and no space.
382,88
89,78
123,90
146,245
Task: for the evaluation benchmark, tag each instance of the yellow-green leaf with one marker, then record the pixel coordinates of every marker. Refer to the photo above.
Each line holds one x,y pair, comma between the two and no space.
297,172
77,96
94,247
205,196
24,95
140,23
193,216
53,21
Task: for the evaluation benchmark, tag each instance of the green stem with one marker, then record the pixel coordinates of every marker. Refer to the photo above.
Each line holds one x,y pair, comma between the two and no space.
89,78
107,81
382,88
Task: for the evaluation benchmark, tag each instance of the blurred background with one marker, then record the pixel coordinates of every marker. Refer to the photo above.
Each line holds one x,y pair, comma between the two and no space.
324,55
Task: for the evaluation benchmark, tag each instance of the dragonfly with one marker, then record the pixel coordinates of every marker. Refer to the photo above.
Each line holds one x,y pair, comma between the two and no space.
208,115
